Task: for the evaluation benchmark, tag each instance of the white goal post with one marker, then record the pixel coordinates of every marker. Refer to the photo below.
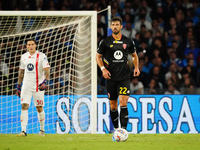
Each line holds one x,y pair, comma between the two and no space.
69,39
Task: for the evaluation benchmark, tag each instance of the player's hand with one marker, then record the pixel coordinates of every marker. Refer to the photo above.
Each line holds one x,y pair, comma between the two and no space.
136,72
106,74
19,90
42,86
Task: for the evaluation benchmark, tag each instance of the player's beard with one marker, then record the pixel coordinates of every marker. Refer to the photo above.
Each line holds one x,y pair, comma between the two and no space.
115,31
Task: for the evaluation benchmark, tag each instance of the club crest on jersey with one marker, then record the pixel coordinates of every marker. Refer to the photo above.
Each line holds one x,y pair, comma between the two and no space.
124,46
30,67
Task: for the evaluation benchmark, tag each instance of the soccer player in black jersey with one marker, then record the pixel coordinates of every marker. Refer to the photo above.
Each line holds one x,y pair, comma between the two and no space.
112,58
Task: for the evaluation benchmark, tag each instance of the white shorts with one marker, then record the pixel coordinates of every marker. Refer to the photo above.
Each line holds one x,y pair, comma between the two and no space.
38,97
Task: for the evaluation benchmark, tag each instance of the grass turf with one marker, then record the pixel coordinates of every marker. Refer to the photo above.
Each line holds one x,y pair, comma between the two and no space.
100,142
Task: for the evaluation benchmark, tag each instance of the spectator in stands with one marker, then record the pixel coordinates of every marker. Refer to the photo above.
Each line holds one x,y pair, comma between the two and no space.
102,28
156,27
143,48
128,9
128,31
180,20
171,89
115,10
174,60
136,86
190,55
192,48
143,30
188,86
158,43
158,13
128,18
177,46
155,87
191,16
196,8
142,20
174,74
144,71
149,37
142,11
156,72
189,36
191,71
169,8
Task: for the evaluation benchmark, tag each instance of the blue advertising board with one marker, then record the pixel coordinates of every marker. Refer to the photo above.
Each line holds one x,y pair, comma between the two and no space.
148,114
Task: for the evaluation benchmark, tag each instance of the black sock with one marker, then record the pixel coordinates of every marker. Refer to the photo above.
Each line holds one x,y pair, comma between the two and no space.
124,116
114,117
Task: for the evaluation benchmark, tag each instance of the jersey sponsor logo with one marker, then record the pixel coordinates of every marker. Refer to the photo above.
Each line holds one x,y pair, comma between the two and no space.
30,67
118,55
124,46
118,42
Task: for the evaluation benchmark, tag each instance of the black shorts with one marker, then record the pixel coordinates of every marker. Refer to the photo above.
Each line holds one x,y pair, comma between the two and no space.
116,88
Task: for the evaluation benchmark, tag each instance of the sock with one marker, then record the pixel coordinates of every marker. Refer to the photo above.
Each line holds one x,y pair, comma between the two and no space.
124,116
41,117
114,117
24,119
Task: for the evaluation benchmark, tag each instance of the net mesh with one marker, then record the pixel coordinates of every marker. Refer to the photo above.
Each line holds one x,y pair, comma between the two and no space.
66,40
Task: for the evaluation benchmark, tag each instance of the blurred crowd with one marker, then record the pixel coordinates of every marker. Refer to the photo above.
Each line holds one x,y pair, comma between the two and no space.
166,34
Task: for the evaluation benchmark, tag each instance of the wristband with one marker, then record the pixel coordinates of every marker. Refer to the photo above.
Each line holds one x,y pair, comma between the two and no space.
102,68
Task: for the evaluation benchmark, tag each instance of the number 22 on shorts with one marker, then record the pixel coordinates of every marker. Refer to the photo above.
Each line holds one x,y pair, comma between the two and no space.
123,90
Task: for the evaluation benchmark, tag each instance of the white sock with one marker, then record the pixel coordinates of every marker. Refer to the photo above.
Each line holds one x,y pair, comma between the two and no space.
24,119
41,117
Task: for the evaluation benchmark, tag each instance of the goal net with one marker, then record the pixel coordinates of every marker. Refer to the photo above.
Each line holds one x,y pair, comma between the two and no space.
69,41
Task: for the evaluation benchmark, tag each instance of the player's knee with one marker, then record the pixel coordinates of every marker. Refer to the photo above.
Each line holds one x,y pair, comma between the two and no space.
123,102
113,105
25,106
39,109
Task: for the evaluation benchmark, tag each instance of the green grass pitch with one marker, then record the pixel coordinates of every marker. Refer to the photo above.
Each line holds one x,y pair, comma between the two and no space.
100,142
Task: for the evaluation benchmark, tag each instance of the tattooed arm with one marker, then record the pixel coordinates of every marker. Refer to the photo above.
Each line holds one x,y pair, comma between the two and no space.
20,76
47,73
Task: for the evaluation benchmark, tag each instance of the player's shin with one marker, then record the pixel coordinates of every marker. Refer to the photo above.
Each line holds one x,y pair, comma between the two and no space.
24,119
114,117
41,117
123,116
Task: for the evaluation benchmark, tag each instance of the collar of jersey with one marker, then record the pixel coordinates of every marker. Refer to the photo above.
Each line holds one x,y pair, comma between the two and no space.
32,54
117,39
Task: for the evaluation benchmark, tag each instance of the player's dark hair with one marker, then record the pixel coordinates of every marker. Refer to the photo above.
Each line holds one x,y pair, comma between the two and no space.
117,19
30,40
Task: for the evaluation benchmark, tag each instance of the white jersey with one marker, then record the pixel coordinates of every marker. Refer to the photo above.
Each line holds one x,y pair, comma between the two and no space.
33,66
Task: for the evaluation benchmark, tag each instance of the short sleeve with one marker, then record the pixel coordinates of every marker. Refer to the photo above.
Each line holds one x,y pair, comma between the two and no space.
101,48
22,66
132,47
45,63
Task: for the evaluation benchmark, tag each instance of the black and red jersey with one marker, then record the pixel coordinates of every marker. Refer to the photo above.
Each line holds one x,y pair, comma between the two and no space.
115,56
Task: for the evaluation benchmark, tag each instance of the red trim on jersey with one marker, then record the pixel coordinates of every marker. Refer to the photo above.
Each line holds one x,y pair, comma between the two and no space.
117,39
36,67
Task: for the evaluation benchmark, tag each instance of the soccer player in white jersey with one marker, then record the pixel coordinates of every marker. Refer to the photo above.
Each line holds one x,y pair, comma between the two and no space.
34,72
